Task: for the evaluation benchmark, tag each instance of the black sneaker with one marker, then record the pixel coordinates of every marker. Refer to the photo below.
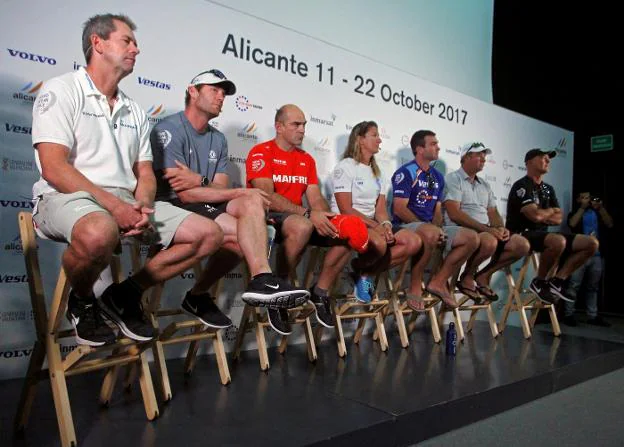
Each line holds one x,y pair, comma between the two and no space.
204,307
556,287
127,313
84,314
322,309
541,288
278,319
268,290
598,321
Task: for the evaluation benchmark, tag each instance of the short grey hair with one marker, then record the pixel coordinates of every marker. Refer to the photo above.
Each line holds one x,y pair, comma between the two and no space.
101,25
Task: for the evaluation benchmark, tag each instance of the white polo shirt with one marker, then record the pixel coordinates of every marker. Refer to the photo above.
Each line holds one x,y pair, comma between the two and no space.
103,146
358,179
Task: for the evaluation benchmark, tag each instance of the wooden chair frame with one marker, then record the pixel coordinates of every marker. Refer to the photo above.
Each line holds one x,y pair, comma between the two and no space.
520,299
124,351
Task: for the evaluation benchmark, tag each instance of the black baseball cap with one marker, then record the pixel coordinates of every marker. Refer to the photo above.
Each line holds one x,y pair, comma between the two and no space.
538,153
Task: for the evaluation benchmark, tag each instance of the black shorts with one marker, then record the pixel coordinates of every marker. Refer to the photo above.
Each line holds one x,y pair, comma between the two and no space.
536,240
277,220
209,210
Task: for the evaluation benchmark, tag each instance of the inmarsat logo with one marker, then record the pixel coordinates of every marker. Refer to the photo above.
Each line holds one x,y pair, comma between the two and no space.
405,140
28,93
561,147
323,121
248,132
155,113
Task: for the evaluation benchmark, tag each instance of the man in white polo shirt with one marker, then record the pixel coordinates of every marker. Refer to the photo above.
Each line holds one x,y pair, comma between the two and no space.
469,202
97,184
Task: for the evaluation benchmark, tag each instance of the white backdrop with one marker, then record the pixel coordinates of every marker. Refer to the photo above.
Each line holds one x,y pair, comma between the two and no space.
335,88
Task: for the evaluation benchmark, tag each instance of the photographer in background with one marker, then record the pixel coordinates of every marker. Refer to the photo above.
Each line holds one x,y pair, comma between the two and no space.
591,218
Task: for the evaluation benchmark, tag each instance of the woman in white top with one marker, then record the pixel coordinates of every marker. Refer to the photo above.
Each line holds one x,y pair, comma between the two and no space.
360,189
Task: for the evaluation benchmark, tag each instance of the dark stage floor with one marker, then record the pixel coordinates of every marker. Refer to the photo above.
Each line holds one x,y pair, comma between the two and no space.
369,398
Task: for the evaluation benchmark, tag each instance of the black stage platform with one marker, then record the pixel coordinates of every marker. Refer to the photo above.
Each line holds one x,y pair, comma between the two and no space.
369,398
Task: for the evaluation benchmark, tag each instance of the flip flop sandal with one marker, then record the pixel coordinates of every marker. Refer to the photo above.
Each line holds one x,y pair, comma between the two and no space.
473,294
449,302
487,293
412,301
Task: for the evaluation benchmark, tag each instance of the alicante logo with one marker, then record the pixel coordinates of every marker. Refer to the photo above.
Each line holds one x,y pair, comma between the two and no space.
561,147
155,113
349,127
243,104
323,121
28,93
248,132
383,133
322,145
507,183
14,246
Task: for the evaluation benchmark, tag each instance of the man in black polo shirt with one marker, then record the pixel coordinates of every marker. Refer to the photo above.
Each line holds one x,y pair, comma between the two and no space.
531,208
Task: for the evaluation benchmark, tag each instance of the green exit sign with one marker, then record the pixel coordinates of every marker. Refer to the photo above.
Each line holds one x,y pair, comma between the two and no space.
602,143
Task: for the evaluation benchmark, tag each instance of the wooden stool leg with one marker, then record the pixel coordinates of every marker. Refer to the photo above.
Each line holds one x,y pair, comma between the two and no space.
147,389
283,344
30,386
59,394
108,384
359,330
458,324
191,353
242,329
554,321
492,321
383,340
435,328
310,341
219,349
400,320
260,341
342,347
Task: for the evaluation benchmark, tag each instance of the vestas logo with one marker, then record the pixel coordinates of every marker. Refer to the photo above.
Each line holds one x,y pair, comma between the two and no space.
153,83
13,279
28,92
14,128
31,57
155,113
561,147
248,132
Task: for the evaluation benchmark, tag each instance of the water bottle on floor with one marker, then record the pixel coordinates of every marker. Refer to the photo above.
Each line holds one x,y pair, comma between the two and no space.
451,340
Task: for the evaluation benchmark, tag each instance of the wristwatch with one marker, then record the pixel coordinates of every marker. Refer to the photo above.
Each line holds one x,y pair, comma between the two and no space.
204,181
307,213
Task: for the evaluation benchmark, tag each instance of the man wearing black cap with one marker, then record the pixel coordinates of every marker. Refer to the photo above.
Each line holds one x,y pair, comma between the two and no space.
191,162
532,207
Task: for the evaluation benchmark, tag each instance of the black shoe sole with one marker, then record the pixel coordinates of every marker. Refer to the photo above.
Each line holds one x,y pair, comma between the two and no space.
321,322
283,300
540,298
85,342
279,331
207,323
112,315
560,295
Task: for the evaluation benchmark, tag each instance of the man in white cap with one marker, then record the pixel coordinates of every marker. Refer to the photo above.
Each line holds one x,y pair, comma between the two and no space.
191,164
470,202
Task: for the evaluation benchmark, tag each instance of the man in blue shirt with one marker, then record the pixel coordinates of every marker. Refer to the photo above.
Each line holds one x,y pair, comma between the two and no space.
417,205
590,218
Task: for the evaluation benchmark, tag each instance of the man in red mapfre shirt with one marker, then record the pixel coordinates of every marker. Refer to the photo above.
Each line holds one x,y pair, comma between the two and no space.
285,171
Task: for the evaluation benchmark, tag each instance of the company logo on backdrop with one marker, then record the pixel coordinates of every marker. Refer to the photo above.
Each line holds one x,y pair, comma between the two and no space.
15,128
561,147
405,140
490,160
239,161
521,168
248,132
16,353
6,278
11,316
322,146
153,83
77,66
20,54
507,165
323,121
25,202
507,183
28,93
14,246
383,133
156,113
453,151
490,178
214,124
349,127
9,164
243,104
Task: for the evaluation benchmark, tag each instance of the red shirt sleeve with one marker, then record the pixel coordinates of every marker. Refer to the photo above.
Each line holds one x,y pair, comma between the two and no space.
258,164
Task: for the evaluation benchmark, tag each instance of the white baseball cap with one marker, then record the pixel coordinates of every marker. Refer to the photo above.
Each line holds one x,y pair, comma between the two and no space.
214,77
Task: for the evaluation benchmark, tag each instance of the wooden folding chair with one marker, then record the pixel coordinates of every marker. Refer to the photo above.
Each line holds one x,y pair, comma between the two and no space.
520,299
395,292
256,319
124,351
473,308
193,331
